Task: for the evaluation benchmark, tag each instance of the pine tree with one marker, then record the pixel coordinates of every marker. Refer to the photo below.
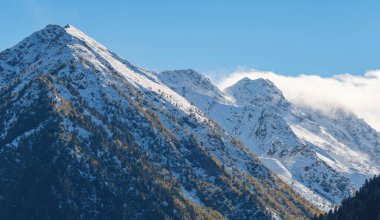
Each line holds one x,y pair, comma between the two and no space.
364,205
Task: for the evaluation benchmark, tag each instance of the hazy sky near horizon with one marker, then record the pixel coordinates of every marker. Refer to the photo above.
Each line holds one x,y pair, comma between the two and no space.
292,37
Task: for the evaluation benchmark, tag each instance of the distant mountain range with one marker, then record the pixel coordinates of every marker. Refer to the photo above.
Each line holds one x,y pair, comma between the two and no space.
86,134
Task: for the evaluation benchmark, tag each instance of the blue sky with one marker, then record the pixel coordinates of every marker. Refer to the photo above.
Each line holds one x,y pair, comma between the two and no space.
324,37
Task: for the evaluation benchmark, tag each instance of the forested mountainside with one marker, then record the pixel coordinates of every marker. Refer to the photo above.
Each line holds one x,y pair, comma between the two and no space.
365,204
326,158
86,134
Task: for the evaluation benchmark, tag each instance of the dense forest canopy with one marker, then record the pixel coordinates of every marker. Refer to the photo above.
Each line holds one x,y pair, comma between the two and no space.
364,205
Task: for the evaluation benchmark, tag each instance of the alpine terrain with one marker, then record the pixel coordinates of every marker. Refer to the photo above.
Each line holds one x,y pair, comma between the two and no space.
325,158
85,134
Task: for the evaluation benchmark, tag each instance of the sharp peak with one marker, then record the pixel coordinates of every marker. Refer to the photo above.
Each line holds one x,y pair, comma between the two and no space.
255,89
71,29
254,85
53,30
258,81
57,26
70,26
50,33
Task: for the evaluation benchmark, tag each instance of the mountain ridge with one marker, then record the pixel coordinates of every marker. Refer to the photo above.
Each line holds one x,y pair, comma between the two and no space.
85,134
292,142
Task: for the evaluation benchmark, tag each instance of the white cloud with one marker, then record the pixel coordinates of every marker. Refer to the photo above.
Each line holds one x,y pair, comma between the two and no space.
355,93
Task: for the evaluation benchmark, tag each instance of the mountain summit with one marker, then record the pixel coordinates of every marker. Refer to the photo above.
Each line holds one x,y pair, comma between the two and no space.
323,157
257,92
86,134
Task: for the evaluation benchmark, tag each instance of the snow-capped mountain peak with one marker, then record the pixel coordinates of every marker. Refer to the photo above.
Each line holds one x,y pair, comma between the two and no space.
106,117
98,136
323,157
256,92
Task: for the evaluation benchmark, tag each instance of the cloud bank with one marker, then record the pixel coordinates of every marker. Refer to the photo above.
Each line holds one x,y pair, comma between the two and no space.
359,94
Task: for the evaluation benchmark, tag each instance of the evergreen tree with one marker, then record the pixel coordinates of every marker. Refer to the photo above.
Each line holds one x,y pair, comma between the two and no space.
365,205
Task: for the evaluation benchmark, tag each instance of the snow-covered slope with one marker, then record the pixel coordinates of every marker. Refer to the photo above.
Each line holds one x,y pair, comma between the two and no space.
86,134
342,140
324,158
